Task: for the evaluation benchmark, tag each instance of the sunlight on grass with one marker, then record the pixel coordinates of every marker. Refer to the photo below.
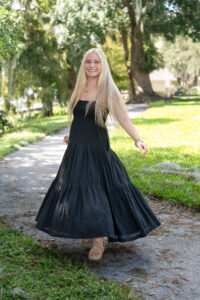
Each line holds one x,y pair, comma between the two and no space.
30,131
171,131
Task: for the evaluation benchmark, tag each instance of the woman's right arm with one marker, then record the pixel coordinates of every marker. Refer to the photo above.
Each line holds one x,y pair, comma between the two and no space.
126,123
129,127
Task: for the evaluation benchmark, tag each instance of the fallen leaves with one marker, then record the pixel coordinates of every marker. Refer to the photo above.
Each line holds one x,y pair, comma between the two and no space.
175,281
129,279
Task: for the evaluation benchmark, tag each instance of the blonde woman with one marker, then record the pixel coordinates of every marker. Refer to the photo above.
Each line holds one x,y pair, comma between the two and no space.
92,196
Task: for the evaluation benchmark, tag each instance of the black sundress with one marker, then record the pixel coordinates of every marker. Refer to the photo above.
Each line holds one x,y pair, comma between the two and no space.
92,194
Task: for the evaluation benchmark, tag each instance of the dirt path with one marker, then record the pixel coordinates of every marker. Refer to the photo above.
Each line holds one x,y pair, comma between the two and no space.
163,266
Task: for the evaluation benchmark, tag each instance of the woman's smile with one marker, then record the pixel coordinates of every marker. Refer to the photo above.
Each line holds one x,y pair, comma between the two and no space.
92,65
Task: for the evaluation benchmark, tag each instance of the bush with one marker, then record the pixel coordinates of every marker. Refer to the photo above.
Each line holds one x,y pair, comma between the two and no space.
195,90
59,110
4,123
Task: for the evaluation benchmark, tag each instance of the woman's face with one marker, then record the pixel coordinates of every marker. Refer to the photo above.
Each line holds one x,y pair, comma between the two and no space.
92,65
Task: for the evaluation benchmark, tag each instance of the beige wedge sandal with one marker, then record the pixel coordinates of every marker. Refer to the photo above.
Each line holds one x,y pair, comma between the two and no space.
97,250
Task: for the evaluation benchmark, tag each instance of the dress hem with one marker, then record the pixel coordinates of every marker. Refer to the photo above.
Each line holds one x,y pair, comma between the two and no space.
111,239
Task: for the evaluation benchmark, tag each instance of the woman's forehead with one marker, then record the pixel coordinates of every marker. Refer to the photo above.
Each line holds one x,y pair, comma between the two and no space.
92,56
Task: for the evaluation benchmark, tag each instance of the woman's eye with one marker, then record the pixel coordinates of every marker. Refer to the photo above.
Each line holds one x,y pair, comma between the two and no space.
89,62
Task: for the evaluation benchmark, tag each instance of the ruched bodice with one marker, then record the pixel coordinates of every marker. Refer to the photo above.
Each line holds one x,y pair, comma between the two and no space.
92,194
84,130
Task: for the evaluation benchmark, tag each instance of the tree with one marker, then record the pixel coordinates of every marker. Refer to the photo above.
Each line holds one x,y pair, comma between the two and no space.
181,18
10,30
139,20
141,57
182,57
10,33
56,34
84,24
79,25
41,62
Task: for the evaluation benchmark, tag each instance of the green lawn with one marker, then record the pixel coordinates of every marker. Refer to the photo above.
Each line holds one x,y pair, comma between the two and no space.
171,130
29,130
32,272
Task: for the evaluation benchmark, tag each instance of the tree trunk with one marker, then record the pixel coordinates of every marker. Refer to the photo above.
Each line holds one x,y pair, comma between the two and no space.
72,75
10,65
1,81
48,109
195,80
132,91
47,100
137,55
138,63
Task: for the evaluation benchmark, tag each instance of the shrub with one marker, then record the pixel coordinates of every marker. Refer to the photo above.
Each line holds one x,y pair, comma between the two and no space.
4,123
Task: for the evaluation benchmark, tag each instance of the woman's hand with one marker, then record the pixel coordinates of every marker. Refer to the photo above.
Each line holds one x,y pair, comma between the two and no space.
66,139
142,146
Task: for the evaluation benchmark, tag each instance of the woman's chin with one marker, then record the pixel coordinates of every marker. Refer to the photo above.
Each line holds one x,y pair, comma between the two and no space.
92,75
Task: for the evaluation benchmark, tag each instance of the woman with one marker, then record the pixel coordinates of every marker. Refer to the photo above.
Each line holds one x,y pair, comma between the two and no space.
92,196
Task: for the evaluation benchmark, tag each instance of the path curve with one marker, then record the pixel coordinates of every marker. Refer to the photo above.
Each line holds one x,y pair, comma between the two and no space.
165,265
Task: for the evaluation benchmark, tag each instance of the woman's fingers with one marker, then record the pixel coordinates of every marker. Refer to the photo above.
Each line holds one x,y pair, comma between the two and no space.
66,139
143,147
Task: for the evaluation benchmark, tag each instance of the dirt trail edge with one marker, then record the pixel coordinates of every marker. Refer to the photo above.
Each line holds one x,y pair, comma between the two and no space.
165,265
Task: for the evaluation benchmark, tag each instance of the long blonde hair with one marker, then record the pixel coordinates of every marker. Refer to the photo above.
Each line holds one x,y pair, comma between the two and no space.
108,97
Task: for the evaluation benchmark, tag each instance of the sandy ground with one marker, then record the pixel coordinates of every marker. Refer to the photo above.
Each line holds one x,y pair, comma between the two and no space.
165,265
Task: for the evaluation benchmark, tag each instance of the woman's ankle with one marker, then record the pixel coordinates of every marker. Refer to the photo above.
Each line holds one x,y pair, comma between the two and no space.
99,240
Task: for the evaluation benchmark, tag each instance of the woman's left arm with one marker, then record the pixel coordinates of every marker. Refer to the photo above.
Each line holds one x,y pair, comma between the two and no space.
129,127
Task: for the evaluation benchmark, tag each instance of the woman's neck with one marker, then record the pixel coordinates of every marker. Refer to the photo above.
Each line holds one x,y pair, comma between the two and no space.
91,83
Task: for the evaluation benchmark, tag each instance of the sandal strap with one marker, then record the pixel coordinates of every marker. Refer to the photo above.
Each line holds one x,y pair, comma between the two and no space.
99,245
96,250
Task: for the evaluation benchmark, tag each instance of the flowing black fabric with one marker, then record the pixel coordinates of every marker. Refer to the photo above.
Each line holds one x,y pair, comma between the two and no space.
92,194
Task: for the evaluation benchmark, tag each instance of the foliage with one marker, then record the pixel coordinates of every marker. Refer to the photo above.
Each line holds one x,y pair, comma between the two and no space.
171,132
172,17
55,43
43,42
41,66
153,59
115,57
167,18
32,271
182,57
10,30
184,18
195,90
120,22
4,123
79,25
60,110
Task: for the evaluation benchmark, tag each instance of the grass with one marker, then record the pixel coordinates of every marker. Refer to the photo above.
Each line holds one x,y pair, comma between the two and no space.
29,130
30,271
171,131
